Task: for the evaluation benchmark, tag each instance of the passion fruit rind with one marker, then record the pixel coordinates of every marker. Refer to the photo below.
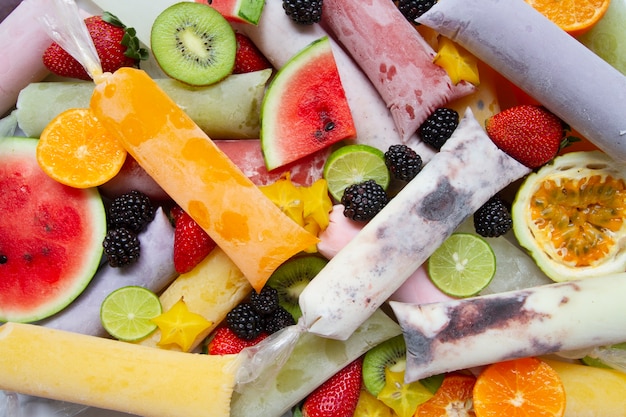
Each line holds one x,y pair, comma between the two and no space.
571,216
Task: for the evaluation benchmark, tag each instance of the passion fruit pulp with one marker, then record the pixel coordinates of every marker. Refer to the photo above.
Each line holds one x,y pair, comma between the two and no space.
571,216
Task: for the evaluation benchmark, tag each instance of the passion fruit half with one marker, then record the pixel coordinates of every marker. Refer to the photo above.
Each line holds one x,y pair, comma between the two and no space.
571,216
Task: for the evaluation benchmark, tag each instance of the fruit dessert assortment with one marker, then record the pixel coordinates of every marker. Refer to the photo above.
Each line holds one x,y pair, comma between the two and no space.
325,225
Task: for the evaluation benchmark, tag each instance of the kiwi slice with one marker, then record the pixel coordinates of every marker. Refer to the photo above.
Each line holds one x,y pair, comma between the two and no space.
193,43
291,277
389,354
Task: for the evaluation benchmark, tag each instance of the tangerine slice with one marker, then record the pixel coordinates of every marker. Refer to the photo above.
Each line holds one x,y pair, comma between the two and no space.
453,398
573,16
526,387
75,149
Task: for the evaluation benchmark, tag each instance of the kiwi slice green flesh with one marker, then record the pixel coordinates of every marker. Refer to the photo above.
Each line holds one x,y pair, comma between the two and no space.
389,354
291,277
193,43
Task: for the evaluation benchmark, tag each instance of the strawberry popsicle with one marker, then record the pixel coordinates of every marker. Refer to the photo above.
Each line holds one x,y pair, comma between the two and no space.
544,61
372,119
22,42
467,171
477,331
399,63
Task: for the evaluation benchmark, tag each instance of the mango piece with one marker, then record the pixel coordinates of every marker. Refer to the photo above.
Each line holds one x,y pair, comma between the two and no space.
591,391
185,162
114,375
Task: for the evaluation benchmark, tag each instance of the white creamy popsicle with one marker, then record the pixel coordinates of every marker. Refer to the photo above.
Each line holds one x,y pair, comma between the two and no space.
154,270
460,334
544,61
467,171
395,57
22,42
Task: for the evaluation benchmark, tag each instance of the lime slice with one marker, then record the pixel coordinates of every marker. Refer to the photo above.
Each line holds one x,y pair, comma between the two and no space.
463,265
352,164
127,313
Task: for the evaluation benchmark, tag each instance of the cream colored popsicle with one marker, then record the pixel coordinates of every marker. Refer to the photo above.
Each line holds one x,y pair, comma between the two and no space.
22,42
114,375
467,171
460,334
543,60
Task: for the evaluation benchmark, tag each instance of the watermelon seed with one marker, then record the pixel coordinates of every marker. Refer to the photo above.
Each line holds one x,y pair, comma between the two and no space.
329,126
3,259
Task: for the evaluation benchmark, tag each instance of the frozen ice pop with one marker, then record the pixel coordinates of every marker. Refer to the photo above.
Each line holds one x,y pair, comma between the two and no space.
399,63
154,270
544,61
373,121
22,42
249,227
114,375
467,171
476,331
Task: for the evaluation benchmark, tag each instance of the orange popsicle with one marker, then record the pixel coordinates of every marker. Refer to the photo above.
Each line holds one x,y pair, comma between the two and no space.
253,232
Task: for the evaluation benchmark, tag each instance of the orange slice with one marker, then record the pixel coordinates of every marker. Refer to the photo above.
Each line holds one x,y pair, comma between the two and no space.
526,387
453,398
573,16
75,149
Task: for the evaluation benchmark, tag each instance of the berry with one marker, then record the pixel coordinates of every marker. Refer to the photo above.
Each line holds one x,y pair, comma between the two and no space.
132,210
528,133
266,301
493,218
412,9
226,342
248,58
305,12
338,396
403,162
121,247
439,126
191,242
364,200
245,322
278,320
116,45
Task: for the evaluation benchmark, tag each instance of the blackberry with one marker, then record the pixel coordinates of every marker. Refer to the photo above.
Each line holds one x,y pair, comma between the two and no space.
364,200
438,127
305,12
266,301
412,9
403,162
279,319
493,218
121,247
245,322
132,210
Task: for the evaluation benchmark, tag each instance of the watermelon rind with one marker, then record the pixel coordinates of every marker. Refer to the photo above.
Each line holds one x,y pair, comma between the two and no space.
303,92
242,11
32,301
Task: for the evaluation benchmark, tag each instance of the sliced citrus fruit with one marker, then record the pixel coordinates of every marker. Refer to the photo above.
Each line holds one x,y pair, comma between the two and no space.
127,313
463,265
520,387
352,164
77,150
570,216
573,16
453,398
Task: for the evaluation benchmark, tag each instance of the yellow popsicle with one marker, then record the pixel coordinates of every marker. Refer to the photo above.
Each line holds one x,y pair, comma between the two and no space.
590,391
114,375
252,231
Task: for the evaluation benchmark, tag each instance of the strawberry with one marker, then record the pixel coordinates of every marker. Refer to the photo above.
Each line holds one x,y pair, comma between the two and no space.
338,396
226,342
115,44
528,133
191,243
248,58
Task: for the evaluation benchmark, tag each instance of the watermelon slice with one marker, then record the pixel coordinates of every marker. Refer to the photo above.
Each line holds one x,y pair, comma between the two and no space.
239,11
305,107
50,236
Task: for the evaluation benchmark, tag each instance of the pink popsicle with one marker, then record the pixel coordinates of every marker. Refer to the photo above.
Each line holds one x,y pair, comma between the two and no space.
22,42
